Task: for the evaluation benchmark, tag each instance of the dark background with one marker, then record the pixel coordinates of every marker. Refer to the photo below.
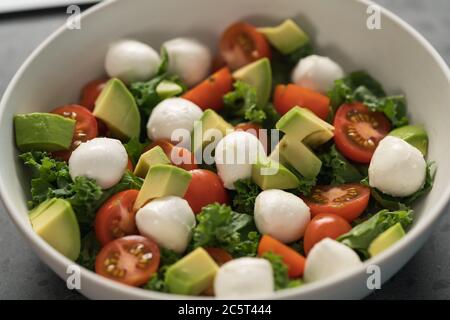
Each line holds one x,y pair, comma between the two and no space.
24,276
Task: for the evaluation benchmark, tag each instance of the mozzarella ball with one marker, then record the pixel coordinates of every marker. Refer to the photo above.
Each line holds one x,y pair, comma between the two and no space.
234,156
397,168
168,221
131,61
170,115
244,277
188,59
102,159
281,214
328,258
317,73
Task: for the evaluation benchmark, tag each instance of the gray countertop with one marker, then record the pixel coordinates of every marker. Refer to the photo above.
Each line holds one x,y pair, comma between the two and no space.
24,276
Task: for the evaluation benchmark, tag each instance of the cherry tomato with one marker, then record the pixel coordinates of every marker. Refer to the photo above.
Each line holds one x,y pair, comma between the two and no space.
218,63
103,130
209,94
90,93
358,131
287,97
115,219
242,44
347,201
182,153
130,166
324,225
249,127
130,260
85,128
205,188
220,256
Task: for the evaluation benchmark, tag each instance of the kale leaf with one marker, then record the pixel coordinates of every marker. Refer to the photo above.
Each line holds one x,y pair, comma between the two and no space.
157,281
280,272
245,195
336,169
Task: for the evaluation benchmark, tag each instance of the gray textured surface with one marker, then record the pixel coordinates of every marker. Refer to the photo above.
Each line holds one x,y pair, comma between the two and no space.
23,276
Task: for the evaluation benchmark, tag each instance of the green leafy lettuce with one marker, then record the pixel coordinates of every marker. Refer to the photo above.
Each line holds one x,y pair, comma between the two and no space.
245,195
336,169
360,86
218,226
280,272
157,281
362,235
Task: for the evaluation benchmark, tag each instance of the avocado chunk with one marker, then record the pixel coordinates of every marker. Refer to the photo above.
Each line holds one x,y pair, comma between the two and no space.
55,222
43,131
153,156
286,37
259,75
168,89
163,180
269,174
193,274
203,135
386,239
117,108
414,135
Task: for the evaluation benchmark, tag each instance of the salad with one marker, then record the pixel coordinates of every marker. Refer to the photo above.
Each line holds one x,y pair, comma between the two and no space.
263,168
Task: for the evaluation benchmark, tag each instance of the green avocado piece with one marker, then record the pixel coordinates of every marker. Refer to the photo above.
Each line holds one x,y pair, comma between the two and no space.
305,126
163,180
269,174
55,222
148,159
117,108
43,131
386,239
193,274
168,89
258,74
414,135
203,135
286,37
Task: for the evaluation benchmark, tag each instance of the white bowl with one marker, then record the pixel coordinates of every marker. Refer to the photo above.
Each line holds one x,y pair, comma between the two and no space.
397,55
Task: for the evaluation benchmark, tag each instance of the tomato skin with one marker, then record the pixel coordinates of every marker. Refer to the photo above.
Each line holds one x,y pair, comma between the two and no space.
130,166
330,202
205,188
136,260
103,130
115,218
294,260
209,94
90,93
85,128
249,127
288,96
220,256
348,146
324,225
168,148
242,44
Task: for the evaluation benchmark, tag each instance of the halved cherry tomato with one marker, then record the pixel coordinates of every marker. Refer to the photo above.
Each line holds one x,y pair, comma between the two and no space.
90,93
181,153
287,97
130,260
324,225
242,44
358,131
85,128
115,219
130,166
294,260
347,201
209,94
205,188
220,256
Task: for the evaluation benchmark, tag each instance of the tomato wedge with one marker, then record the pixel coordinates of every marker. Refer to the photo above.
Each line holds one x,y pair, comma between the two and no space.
294,260
205,188
85,129
324,225
115,219
90,93
220,256
130,260
358,131
347,201
209,94
288,96
182,153
242,44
